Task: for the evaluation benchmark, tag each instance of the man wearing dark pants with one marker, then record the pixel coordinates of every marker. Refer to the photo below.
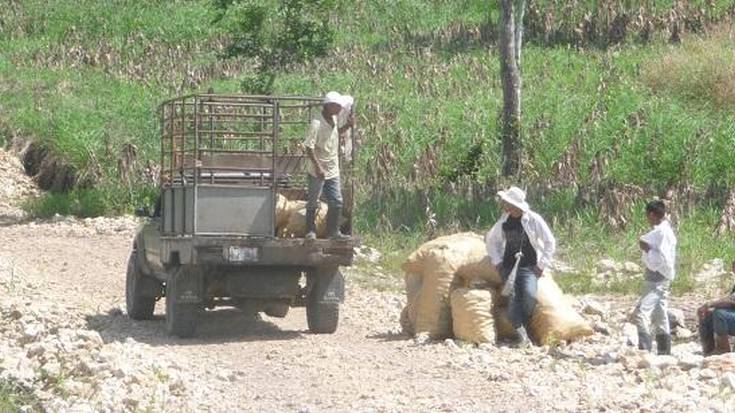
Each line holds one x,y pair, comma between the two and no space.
717,323
520,246
322,147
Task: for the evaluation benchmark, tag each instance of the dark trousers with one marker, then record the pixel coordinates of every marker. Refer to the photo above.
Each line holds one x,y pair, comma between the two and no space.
523,301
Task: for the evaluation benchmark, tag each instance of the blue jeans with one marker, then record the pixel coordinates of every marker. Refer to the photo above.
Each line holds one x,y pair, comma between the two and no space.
330,188
523,300
721,322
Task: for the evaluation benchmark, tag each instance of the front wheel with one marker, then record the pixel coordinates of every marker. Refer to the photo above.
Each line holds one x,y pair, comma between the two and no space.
181,316
141,291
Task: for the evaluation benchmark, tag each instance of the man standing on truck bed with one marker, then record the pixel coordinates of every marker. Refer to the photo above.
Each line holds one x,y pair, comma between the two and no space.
322,146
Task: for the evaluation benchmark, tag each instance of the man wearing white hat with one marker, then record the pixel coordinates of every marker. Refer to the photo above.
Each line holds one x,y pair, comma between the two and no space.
322,148
520,246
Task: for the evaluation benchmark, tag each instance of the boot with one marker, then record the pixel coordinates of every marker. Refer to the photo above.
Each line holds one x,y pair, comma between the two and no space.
722,343
333,215
310,224
523,340
663,344
644,341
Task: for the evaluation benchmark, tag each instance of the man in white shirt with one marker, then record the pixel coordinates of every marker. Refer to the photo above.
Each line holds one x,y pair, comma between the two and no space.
520,246
322,148
659,258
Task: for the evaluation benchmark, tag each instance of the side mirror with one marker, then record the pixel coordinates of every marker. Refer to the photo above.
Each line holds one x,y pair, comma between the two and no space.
142,212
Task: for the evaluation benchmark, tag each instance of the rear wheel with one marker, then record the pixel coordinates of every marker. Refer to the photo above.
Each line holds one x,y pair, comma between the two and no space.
322,318
322,306
181,317
141,291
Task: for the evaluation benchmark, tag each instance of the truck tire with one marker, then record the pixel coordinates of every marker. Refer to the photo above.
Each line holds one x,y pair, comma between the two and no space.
181,318
322,318
322,305
140,291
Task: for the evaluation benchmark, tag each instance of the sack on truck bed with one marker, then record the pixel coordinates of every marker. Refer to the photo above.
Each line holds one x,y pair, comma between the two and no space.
471,318
437,264
292,219
553,318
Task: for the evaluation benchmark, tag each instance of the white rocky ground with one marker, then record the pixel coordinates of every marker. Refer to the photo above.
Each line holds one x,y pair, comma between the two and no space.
64,335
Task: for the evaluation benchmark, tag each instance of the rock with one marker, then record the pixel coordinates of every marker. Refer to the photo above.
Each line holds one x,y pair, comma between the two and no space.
632,268
630,332
422,338
676,317
684,333
560,267
451,344
690,361
31,333
592,307
608,265
651,360
723,362
727,381
601,328
706,374
710,270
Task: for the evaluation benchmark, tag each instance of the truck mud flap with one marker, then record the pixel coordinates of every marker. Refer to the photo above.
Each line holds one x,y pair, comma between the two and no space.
188,285
327,285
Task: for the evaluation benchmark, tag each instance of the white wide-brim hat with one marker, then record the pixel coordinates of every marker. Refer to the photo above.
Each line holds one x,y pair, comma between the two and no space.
345,101
516,197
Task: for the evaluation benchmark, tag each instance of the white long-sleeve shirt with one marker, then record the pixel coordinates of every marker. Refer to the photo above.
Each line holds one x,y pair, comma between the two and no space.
661,257
538,232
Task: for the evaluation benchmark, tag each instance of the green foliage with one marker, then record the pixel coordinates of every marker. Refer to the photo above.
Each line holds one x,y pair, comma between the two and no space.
92,202
14,396
279,34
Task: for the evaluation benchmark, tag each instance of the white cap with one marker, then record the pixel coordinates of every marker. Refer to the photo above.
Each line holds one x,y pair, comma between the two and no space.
516,197
343,100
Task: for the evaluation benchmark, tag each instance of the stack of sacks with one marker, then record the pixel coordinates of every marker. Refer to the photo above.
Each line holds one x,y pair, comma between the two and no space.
432,272
291,218
439,305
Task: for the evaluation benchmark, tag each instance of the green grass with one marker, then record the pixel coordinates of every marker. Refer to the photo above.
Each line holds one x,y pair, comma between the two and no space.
13,397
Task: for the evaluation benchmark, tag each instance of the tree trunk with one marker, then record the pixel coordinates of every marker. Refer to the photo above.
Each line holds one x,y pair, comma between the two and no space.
511,32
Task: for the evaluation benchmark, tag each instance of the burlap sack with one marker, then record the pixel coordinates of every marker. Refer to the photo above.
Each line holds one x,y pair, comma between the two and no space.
438,264
295,226
553,318
472,320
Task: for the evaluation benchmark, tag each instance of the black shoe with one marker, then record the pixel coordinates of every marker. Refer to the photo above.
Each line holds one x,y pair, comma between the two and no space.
663,344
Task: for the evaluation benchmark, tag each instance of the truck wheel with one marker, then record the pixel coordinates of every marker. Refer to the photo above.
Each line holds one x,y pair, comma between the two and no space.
322,306
181,318
322,318
140,291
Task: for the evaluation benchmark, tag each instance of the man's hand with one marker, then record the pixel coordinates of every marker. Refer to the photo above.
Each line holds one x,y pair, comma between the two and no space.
644,246
538,271
702,311
319,171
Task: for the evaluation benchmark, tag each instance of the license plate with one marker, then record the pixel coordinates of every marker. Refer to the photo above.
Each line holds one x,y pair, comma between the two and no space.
241,254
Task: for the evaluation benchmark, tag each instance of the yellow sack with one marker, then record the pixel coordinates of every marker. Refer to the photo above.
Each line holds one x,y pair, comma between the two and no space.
295,227
413,288
471,317
553,318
